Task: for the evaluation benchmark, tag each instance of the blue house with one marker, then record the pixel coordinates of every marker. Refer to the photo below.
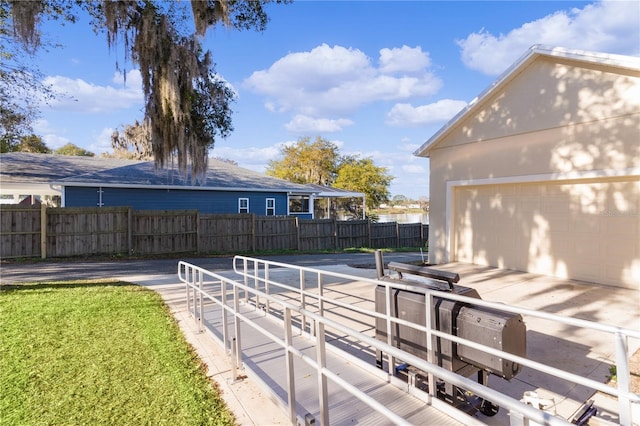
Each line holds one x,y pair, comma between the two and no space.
103,182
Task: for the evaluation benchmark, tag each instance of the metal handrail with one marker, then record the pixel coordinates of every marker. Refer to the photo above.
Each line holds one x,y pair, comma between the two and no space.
620,334
192,276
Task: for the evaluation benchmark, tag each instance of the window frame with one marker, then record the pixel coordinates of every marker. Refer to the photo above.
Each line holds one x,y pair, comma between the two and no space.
271,208
242,209
304,200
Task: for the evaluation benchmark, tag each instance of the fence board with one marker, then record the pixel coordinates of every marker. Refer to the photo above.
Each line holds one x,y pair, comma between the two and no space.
164,231
86,231
409,235
352,233
19,231
226,233
102,230
384,235
276,233
317,234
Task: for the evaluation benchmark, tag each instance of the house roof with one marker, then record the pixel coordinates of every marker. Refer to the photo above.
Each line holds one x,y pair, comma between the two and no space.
20,168
619,61
331,192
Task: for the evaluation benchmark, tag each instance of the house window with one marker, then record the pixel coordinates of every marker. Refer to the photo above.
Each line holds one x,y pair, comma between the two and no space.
271,206
299,204
243,205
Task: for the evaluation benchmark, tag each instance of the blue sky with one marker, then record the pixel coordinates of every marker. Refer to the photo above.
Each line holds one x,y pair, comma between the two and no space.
378,78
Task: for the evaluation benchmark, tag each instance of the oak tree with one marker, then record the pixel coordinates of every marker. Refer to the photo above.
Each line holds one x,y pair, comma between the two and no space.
362,175
307,162
186,104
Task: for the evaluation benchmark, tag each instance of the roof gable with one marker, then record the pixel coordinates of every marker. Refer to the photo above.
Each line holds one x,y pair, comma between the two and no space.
531,96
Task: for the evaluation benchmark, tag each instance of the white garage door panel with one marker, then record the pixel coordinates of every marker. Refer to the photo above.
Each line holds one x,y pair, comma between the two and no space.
580,230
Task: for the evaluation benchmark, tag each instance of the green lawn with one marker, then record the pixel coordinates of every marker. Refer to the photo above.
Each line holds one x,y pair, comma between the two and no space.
98,353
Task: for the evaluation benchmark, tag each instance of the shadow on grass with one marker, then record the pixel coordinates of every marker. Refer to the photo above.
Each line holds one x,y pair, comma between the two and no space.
44,285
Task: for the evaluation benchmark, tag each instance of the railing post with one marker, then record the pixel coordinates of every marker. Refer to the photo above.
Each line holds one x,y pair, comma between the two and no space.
321,295
194,295
391,360
245,267
291,387
517,419
234,351
266,285
200,302
623,378
188,273
303,318
236,323
256,281
321,359
429,320
225,320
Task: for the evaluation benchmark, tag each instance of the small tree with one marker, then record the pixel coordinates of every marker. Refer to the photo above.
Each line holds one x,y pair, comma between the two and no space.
71,149
362,175
31,143
306,162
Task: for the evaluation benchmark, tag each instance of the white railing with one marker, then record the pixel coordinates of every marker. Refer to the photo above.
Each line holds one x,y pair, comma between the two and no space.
257,289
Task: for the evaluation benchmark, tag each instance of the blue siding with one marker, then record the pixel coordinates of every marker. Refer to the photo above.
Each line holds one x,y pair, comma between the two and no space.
172,199
302,215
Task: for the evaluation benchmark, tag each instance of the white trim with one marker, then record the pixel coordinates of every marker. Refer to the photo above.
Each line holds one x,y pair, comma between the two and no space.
551,177
179,187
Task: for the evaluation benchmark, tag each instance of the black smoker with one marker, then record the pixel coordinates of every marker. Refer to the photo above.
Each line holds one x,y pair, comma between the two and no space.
504,331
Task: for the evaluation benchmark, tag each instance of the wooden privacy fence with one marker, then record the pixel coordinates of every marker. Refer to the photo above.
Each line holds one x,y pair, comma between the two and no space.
27,231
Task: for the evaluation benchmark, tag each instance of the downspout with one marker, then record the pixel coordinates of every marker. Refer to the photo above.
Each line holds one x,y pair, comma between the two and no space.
60,189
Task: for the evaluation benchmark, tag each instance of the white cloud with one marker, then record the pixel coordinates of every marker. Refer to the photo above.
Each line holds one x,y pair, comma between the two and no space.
334,81
609,26
404,59
304,124
250,158
54,141
408,115
101,142
409,147
79,95
414,168
50,136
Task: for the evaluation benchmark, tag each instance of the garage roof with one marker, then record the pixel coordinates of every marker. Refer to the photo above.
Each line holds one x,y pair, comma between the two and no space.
619,61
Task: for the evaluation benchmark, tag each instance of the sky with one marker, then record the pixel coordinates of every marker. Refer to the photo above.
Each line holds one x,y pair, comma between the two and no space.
377,78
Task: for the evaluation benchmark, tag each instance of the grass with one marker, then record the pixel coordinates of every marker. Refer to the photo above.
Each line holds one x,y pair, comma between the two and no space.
98,352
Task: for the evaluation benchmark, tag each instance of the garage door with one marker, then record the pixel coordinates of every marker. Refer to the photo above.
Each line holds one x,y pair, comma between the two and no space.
583,230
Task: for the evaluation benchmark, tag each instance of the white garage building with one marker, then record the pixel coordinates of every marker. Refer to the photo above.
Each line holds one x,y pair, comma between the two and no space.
541,172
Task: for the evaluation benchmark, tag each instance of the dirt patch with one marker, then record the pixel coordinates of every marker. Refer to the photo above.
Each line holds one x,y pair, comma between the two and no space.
634,367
